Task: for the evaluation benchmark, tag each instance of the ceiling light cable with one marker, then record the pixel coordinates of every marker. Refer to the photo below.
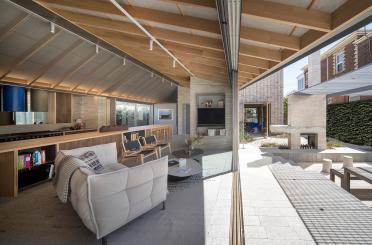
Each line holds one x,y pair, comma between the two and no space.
131,18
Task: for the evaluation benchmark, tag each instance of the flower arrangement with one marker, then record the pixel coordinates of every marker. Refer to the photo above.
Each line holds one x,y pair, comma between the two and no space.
190,141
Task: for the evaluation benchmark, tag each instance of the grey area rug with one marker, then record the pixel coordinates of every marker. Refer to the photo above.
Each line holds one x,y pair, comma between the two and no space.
37,217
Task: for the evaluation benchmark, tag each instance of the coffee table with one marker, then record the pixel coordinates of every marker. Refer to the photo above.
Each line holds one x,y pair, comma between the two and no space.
184,154
175,173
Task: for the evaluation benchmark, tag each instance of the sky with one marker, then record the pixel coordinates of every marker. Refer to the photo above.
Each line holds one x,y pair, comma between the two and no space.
292,71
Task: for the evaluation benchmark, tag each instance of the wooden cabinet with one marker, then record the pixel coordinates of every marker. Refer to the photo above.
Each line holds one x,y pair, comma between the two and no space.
9,152
63,103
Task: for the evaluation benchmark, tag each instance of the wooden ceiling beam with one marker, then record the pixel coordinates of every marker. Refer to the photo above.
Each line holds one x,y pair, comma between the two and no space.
257,35
254,62
278,12
288,14
259,52
129,28
92,70
118,82
139,13
271,38
31,51
251,70
75,69
12,26
104,77
342,14
53,62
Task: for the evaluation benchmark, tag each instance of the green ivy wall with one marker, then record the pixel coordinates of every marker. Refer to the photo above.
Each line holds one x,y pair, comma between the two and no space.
350,122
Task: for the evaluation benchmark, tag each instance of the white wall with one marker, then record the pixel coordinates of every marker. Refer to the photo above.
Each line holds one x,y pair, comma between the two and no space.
173,122
183,98
202,86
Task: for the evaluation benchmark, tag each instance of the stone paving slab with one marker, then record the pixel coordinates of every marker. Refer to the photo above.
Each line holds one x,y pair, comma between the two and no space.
269,217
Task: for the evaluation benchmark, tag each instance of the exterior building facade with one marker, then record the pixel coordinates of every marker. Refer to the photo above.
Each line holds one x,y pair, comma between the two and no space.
262,100
353,52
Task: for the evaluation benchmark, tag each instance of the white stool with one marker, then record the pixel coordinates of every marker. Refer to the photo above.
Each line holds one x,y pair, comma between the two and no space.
348,161
327,165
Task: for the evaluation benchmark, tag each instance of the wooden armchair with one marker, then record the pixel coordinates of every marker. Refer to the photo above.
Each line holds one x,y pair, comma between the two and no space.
151,142
133,149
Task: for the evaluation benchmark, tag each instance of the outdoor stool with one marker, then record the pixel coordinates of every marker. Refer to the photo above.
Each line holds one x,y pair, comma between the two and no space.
348,162
327,165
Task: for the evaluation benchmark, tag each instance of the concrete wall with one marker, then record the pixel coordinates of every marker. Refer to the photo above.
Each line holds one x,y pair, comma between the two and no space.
202,86
307,110
314,68
270,90
94,110
183,98
307,114
173,122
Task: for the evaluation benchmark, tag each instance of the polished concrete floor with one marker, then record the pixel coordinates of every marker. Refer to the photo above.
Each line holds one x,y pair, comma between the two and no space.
198,212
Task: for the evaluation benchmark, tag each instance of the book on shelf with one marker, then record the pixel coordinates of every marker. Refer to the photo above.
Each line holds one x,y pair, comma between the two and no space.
30,159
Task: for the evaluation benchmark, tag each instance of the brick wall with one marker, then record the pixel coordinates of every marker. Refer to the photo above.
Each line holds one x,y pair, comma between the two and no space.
331,67
364,52
338,99
323,68
269,89
349,58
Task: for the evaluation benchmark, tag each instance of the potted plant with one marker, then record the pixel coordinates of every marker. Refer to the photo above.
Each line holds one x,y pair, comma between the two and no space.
190,141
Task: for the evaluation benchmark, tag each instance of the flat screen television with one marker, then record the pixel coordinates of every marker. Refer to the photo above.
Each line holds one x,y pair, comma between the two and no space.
211,116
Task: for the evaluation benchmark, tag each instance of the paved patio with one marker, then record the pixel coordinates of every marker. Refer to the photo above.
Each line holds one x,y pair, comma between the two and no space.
269,217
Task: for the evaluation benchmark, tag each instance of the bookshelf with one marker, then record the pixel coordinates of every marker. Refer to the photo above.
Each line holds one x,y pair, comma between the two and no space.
34,165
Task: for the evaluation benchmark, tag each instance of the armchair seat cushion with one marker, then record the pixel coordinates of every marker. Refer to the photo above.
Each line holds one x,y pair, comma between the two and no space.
147,152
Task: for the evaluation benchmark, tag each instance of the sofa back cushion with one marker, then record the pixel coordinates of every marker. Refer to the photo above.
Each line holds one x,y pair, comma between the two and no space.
106,153
117,197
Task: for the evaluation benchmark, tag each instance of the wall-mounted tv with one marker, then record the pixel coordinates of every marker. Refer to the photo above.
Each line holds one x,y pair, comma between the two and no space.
211,116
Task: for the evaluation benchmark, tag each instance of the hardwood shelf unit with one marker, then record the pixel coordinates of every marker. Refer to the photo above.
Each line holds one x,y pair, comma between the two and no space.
9,151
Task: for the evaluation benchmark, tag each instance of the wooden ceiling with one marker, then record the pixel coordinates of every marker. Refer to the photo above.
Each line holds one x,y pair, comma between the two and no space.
271,31
32,56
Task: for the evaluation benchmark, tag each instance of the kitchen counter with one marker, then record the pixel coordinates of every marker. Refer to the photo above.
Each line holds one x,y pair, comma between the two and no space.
31,143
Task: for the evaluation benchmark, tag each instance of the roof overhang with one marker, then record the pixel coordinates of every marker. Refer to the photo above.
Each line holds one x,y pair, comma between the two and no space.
360,20
354,82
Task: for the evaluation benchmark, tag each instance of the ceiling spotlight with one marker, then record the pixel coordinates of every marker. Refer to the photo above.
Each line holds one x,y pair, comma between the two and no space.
97,49
174,63
124,62
52,27
151,44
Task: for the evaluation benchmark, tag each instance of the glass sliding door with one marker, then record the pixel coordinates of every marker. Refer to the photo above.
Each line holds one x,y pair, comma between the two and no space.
132,114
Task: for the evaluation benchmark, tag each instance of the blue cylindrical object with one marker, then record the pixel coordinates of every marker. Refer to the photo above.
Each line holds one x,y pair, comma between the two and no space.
14,98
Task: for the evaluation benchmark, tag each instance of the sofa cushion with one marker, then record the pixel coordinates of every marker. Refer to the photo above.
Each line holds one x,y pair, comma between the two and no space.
90,158
106,153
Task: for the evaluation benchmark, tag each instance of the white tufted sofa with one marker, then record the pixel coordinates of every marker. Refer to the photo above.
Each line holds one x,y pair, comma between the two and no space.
111,199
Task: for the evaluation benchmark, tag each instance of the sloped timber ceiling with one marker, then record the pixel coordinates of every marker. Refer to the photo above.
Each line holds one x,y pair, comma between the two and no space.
30,55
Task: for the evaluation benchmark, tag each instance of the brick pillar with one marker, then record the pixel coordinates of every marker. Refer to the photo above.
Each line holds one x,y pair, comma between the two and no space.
314,68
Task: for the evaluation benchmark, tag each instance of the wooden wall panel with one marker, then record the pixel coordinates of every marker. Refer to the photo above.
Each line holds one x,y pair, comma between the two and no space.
63,104
8,174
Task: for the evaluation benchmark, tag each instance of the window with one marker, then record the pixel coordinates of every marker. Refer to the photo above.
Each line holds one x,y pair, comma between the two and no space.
339,61
301,84
23,118
132,114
